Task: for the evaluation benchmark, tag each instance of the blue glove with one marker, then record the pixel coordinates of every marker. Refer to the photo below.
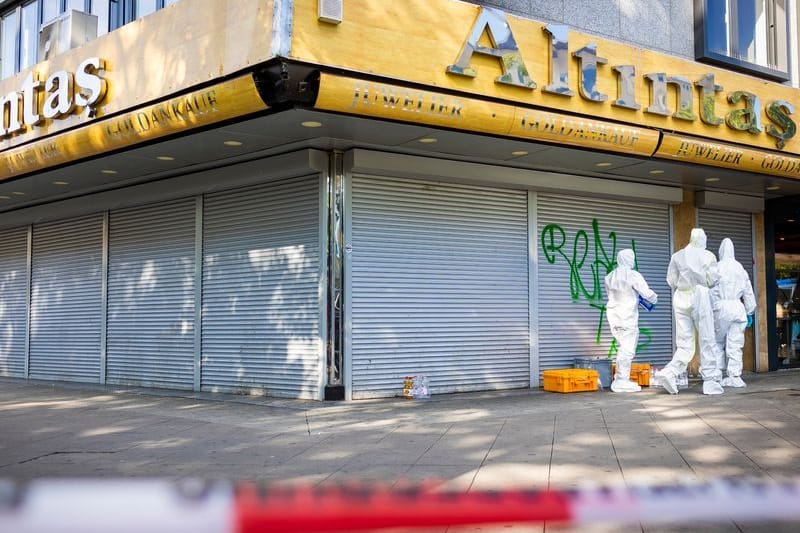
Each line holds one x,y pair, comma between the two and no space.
645,304
749,321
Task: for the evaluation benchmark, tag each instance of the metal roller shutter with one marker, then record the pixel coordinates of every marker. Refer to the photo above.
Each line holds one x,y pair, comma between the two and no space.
13,305
151,274
66,300
439,286
261,293
736,226
578,240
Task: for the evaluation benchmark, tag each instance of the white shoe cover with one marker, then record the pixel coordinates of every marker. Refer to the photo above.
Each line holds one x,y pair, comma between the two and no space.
624,385
667,381
733,381
712,388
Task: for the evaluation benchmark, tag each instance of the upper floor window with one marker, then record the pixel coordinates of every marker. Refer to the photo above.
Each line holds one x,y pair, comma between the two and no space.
53,8
20,24
125,11
8,37
747,35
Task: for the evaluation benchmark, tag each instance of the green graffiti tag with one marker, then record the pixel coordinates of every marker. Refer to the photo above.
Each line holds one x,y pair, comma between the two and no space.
554,241
599,258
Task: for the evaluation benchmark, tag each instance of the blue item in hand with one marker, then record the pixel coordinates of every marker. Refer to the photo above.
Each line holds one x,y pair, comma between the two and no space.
645,304
749,320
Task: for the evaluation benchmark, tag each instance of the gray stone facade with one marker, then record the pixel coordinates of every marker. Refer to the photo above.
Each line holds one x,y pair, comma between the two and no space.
664,25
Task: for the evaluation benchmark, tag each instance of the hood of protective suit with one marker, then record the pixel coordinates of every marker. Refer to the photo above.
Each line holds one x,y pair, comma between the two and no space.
726,249
626,258
624,286
698,239
733,288
693,266
619,278
696,255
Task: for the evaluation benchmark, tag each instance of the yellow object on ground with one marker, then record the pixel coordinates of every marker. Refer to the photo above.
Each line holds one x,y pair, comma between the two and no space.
570,380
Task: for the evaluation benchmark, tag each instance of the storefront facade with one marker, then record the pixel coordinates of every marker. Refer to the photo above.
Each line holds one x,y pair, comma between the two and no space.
284,198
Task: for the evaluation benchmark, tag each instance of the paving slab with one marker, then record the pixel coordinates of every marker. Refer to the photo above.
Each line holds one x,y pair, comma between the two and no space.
477,441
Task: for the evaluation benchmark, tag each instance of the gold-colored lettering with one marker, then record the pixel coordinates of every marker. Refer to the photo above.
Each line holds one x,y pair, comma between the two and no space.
683,149
144,121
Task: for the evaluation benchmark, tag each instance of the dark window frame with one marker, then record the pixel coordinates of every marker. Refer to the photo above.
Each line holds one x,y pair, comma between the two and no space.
125,12
16,7
705,54
120,13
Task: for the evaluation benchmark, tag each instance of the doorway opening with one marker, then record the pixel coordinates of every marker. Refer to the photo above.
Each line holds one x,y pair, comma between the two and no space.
783,217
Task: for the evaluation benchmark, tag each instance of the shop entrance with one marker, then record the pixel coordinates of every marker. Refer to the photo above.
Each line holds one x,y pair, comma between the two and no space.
784,290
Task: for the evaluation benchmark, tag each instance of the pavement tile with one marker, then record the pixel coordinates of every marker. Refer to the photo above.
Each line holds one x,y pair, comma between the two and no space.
480,441
728,527
509,475
449,477
599,528
770,527
377,473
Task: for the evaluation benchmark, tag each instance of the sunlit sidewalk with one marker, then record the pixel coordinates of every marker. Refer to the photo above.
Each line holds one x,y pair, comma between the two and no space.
476,441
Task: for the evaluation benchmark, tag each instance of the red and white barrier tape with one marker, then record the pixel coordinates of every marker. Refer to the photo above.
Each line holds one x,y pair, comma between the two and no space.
156,506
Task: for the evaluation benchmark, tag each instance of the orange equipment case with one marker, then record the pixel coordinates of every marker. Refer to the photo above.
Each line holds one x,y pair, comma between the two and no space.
640,373
570,380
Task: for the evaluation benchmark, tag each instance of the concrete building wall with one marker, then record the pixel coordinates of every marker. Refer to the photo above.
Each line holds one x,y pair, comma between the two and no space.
664,25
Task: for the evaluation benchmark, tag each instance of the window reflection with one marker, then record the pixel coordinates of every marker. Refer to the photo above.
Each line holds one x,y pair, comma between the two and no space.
145,7
102,11
50,9
750,34
29,36
8,44
78,5
21,23
717,26
788,312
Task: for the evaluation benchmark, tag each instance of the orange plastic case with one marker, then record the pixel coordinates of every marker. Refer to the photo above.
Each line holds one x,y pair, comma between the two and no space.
640,373
570,380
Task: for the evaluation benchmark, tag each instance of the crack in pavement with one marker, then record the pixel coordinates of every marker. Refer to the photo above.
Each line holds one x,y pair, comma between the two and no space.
84,452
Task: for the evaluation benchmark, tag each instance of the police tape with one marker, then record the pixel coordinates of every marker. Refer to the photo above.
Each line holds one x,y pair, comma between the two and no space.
156,506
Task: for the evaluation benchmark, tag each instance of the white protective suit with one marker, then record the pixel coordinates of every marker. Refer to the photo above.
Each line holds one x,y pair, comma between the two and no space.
730,315
692,272
624,285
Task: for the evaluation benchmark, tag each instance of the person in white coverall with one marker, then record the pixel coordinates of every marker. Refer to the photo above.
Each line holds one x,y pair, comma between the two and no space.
624,286
730,314
691,273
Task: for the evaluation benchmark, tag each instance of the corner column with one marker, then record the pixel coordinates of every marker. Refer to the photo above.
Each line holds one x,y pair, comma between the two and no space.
684,219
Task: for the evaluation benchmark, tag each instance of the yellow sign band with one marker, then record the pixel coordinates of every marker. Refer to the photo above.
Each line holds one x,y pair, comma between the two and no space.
585,133
691,150
446,45
395,102
199,108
